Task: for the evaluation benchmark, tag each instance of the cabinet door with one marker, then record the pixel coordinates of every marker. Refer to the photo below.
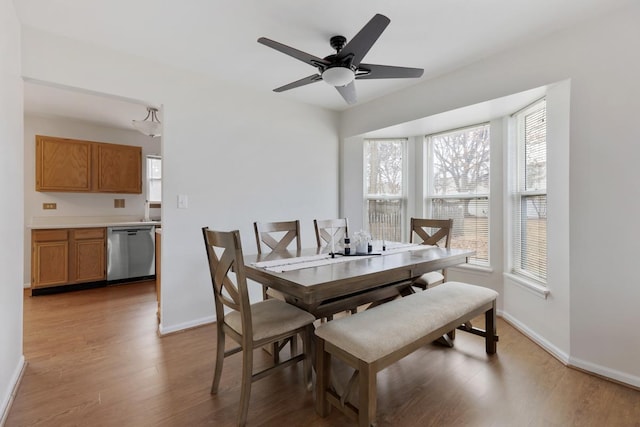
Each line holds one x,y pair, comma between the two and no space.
118,168
50,258
88,263
62,164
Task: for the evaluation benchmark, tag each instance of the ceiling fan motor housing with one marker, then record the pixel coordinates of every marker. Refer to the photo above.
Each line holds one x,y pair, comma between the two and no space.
340,72
338,42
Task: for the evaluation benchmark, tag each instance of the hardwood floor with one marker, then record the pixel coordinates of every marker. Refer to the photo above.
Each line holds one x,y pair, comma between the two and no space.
94,359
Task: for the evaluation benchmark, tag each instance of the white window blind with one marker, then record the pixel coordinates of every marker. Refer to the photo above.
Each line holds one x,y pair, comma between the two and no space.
384,188
458,186
530,199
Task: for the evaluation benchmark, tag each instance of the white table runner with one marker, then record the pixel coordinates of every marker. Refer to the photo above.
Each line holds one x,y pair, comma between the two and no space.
298,263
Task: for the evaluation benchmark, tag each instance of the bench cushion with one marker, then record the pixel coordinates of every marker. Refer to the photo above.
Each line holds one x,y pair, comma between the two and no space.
378,332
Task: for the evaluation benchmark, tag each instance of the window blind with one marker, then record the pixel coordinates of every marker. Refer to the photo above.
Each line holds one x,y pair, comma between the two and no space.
458,186
530,199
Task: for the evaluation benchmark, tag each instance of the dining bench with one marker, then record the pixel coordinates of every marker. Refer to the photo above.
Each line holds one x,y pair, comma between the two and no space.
371,340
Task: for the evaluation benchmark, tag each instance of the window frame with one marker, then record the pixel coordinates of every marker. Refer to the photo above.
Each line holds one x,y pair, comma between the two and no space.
429,192
520,193
149,178
403,197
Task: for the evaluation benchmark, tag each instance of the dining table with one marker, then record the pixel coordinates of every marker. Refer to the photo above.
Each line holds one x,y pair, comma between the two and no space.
324,284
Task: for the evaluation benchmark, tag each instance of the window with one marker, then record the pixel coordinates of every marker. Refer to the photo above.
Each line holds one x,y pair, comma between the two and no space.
457,186
384,192
530,198
154,179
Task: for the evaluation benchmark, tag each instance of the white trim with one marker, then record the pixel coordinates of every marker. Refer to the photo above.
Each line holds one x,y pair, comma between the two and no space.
26,285
186,325
529,285
571,361
603,371
16,379
538,339
473,267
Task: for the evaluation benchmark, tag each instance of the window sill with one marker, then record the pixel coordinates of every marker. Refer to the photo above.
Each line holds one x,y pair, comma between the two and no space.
473,267
529,285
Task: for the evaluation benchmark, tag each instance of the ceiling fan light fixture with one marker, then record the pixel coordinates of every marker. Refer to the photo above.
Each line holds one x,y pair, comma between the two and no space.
338,76
150,126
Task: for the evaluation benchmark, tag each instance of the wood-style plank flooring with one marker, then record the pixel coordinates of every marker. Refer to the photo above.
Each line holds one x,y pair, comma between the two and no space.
94,359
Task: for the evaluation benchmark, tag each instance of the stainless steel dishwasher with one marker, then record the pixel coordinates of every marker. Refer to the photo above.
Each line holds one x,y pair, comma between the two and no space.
130,253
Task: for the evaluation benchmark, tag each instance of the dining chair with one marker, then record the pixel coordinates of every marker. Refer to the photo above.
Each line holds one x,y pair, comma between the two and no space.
431,232
277,236
435,232
251,326
330,231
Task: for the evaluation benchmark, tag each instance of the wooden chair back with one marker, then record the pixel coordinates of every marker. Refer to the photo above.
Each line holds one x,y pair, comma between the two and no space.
277,235
224,252
432,231
328,229
276,321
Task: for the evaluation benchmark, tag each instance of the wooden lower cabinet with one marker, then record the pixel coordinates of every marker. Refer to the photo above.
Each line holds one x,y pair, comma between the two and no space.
49,258
67,256
88,255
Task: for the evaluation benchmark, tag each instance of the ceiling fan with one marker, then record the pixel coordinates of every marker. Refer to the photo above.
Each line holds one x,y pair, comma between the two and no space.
345,66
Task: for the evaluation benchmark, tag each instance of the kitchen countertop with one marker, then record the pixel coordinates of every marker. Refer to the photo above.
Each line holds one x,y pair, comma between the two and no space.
87,222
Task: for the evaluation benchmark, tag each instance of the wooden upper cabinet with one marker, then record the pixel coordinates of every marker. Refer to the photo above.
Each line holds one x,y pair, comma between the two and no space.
71,165
62,164
118,168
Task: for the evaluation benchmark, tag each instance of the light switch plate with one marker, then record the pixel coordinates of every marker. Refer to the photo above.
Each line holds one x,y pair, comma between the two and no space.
183,201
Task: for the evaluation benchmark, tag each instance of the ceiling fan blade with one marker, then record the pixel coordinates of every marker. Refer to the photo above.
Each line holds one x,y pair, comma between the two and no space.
304,81
360,44
373,71
295,53
348,92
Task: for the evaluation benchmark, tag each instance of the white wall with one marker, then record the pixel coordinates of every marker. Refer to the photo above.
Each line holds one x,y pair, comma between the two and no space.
240,156
594,292
11,225
77,204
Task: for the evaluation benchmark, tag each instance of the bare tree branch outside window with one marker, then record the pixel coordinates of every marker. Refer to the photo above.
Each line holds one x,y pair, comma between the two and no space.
459,186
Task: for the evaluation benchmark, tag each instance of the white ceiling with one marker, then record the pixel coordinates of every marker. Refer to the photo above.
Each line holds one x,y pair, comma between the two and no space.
219,38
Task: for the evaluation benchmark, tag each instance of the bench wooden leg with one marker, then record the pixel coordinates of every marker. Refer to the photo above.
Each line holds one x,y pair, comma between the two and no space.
490,328
323,378
368,396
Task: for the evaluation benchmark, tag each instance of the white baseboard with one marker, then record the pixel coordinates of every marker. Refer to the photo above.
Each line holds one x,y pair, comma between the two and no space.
603,371
27,285
165,330
541,341
5,405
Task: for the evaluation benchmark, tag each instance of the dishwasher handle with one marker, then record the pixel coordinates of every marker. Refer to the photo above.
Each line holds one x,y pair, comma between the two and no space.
128,232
